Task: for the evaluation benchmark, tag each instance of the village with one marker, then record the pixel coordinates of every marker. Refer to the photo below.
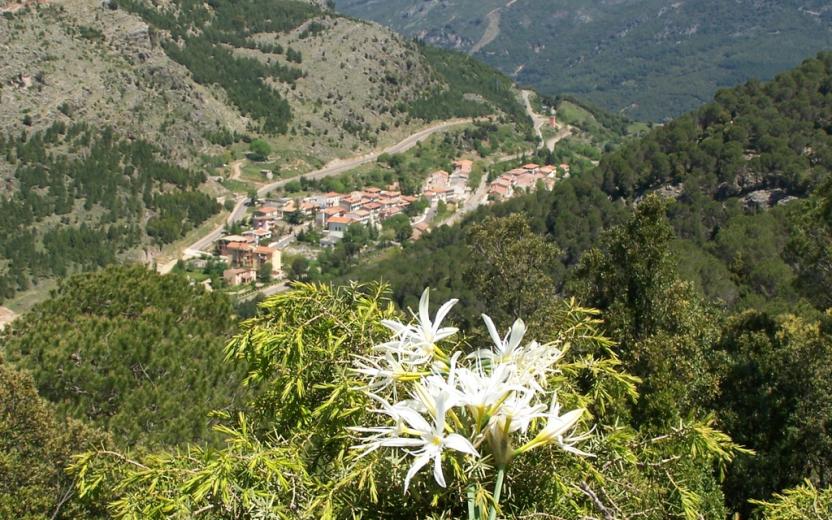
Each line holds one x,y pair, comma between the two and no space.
275,222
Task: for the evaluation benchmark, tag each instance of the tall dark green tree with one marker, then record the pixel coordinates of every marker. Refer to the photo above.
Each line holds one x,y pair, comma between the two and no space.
811,247
666,332
511,269
776,398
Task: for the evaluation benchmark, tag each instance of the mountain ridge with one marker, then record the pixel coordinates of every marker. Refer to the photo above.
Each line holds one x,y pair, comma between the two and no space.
653,60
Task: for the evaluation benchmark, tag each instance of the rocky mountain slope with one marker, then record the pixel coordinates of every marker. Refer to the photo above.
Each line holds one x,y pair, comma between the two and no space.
110,110
141,68
653,59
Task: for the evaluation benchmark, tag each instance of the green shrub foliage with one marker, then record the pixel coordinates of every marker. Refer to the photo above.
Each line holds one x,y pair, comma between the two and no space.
135,353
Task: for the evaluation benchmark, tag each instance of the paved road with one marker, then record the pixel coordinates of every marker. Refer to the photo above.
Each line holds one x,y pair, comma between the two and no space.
236,215
203,243
474,201
537,119
564,131
339,166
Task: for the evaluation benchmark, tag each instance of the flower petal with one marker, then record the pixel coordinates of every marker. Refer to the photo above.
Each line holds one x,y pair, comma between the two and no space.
437,470
413,418
444,332
518,330
418,464
401,442
424,308
459,443
559,425
442,312
575,451
492,330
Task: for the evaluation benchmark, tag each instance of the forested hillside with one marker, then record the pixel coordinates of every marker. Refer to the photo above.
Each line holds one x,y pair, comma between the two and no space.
80,198
732,169
136,354
732,216
188,75
652,59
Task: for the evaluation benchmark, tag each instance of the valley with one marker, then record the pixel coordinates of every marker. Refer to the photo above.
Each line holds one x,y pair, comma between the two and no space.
262,260
148,62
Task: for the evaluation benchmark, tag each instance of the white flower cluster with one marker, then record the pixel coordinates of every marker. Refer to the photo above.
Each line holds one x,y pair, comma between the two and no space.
489,402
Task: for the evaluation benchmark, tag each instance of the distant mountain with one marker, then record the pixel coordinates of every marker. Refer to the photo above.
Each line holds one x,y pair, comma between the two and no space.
653,59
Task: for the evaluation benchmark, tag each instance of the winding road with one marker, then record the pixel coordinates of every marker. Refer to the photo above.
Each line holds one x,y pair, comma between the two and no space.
334,167
539,120
339,166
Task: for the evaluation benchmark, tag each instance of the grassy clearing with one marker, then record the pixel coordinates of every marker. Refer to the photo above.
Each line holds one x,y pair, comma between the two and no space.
237,186
25,300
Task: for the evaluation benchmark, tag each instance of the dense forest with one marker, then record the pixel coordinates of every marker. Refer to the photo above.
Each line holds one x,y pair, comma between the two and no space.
124,348
78,197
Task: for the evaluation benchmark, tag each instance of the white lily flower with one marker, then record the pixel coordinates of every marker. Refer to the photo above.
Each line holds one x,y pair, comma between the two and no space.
498,392
505,348
535,362
418,342
517,413
384,371
483,394
432,388
379,436
557,431
432,441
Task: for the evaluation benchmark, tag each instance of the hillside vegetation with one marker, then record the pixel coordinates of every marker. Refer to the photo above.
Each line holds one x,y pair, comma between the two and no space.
653,59
187,75
732,216
756,147
668,352
134,353
79,198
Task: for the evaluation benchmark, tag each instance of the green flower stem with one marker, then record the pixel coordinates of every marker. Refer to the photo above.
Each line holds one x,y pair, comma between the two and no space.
498,488
472,506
